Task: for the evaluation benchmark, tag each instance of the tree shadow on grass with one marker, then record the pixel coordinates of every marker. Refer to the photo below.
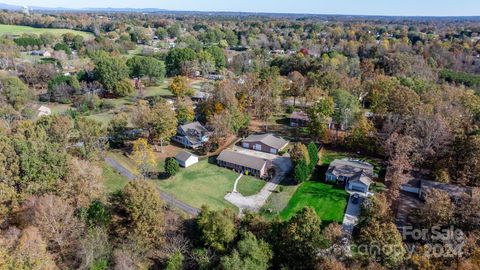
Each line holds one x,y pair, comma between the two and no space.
163,176
212,160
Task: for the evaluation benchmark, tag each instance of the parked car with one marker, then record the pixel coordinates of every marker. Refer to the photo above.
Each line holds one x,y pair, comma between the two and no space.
355,198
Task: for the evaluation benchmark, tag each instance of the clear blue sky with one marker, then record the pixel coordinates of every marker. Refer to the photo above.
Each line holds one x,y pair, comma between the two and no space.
358,7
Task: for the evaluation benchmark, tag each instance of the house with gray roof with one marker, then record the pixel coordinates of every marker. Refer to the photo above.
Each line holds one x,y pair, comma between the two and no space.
244,163
356,174
186,159
192,135
267,143
299,119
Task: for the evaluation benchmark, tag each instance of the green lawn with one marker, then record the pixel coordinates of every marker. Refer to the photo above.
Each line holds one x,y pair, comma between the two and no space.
113,180
105,117
161,90
201,184
327,156
328,202
125,161
20,29
279,199
249,185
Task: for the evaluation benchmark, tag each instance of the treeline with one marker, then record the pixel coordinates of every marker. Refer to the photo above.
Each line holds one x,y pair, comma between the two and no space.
469,80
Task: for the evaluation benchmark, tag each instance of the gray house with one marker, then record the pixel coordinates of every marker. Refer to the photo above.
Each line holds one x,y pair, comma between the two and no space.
267,143
299,119
192,135
243,163
357,175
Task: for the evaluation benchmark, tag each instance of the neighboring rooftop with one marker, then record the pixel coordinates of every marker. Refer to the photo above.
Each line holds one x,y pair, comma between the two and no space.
193,127
452,190
242,159
300,116
267,139
350,168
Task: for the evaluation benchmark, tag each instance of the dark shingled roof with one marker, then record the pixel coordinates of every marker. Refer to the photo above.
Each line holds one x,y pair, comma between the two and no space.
349,168
242,159
267,139
183,155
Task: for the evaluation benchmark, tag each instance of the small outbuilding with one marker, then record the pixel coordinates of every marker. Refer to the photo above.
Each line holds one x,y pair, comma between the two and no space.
186,159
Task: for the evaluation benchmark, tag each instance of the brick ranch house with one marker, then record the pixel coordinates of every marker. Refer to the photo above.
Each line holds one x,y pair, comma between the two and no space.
244,163
267,143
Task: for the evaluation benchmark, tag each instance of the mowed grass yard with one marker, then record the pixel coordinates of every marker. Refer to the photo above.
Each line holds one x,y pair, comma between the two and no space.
279,199
20,29
113,181
206,184
328,201
249,186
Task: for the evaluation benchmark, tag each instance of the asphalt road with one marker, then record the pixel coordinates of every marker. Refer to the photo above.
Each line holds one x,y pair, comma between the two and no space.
167,198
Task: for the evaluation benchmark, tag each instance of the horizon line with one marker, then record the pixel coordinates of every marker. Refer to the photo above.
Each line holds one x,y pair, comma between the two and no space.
45,8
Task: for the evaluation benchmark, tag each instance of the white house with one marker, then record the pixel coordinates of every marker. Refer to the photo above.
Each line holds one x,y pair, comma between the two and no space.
186,159
44,111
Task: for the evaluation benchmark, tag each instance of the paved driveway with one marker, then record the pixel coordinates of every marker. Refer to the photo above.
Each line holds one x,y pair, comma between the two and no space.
281,164
350,218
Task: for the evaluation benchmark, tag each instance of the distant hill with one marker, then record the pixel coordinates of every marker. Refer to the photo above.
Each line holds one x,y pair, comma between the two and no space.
294,16
10,7
108,9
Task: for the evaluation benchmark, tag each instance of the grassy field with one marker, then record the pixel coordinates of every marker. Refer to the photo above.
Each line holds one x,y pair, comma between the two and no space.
113,180
204,184
329,202
20,29
248,185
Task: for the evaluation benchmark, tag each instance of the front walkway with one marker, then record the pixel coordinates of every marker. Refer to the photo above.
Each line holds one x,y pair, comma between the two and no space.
282,165
236,183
